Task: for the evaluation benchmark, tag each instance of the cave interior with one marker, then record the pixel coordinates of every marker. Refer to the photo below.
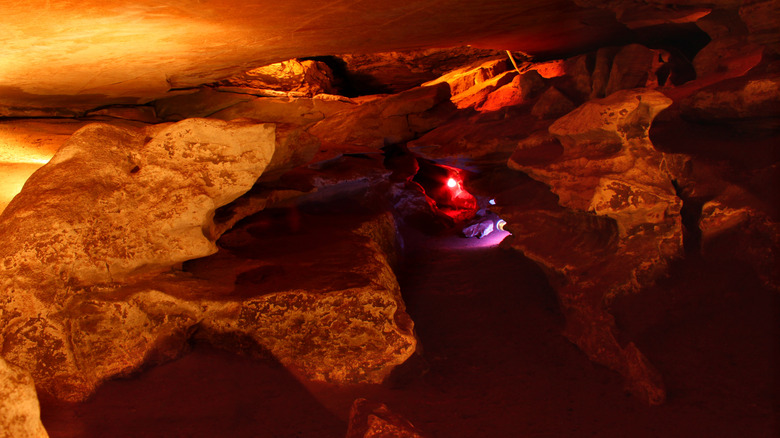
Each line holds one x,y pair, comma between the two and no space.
352,218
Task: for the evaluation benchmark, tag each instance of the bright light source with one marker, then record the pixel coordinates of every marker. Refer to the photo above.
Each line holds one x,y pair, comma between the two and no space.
492,202
451,183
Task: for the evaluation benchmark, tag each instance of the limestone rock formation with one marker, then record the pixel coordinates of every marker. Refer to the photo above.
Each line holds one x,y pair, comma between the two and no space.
112,204
297,110
19,409
475,139
294,77
620,222
385,121
369,419
521,90
752,99
552,104
341,322
97,294
393,72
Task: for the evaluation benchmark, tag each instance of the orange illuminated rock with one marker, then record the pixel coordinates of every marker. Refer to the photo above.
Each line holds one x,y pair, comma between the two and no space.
753,97
471,139
19,409
90,264
552,104
621,223
316,291
521,90
400,71
112,203
369,419
393,119
301,78
298,111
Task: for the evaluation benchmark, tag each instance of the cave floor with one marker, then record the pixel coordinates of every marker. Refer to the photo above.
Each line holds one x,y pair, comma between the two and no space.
493,364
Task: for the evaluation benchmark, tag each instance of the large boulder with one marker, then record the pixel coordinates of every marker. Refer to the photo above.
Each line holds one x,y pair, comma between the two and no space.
298,293
618,215
112,205
95,289
20,415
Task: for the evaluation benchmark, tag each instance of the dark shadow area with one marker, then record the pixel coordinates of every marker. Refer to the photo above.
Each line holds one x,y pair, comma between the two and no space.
351,84
207,393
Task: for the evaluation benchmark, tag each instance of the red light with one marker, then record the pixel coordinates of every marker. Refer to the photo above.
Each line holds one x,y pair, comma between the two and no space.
451,183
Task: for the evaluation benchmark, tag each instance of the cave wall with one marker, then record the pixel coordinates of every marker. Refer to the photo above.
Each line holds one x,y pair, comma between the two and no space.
652,136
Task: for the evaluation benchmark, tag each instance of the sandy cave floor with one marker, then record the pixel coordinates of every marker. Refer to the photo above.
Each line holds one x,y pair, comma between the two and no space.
493,365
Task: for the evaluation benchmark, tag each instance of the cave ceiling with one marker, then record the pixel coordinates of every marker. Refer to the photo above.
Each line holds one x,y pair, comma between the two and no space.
61,52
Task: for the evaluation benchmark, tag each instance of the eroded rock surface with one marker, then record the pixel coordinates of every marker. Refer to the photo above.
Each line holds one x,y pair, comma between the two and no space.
393,119
293,77
19,409
113,203
369,419
97,294
620,223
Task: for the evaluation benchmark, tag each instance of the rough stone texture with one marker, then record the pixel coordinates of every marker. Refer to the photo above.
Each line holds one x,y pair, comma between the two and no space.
19,409
369,419
624,178
201,103
25,146
393,119
96,292
393,72
760,17
522,88
465,81
620,225
88,54
172,176
754,98
342,322
299,78
635,66
729,53
297,111
114,203
475,139
552,104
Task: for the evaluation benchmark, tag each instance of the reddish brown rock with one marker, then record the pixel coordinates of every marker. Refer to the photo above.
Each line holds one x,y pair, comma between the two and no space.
301,78
751,98
621,225
341,322
381,122
393,72
297,111
84,306
552,104
521,90
19,410
729,54
369,419
475,139
635,66
200,103
760,17
113,203
466,78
